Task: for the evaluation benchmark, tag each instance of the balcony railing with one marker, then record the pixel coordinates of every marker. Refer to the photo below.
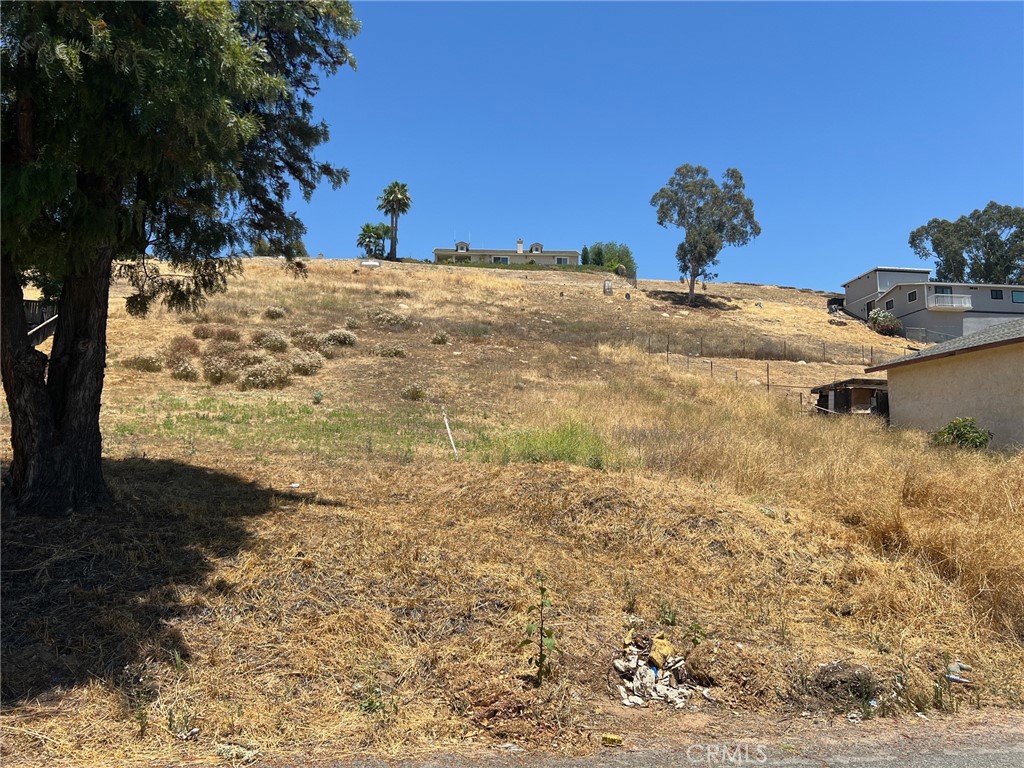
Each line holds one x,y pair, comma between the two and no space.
947,302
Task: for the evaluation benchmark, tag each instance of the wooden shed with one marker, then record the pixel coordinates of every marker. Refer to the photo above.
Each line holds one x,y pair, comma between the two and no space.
869,396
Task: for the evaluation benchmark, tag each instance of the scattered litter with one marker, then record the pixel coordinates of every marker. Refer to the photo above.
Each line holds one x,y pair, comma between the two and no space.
509,747
611,740
188,735
237,753
294,485
650,671
855,717
954,670
759,305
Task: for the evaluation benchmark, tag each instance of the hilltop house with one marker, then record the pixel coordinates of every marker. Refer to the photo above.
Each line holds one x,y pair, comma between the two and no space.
979,375
933,311
536,253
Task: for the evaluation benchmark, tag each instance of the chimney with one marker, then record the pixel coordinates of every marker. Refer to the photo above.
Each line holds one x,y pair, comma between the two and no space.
519,245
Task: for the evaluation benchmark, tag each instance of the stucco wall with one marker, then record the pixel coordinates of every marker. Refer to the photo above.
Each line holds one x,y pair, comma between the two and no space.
987,384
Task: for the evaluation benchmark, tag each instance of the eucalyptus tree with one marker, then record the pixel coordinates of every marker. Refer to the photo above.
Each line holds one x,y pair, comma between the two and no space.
985,246
395,202
711,216
155,141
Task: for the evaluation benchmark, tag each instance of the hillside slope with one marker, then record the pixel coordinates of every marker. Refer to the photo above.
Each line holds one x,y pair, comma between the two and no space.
307,569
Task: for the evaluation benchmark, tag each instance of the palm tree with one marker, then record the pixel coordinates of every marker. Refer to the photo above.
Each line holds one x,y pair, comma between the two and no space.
371,239
395,201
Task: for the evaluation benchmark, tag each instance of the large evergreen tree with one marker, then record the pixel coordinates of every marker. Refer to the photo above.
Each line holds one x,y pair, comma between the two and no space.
152,140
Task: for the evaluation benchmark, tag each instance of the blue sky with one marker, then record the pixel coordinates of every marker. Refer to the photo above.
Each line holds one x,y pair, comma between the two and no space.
852,124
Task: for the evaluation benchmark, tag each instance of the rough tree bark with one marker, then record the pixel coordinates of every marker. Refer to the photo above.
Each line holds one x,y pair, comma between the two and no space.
55,404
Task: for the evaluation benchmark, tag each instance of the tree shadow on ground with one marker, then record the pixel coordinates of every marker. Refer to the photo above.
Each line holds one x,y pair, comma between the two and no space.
94,595
700,300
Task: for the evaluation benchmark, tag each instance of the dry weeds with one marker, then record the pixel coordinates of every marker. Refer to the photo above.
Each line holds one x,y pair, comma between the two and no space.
309,571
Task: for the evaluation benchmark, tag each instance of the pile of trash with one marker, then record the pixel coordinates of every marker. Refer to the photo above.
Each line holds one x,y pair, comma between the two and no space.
650,670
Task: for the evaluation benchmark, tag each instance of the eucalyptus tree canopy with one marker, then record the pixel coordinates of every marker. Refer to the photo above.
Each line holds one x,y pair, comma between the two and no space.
153,140
395,202
711,216
986,246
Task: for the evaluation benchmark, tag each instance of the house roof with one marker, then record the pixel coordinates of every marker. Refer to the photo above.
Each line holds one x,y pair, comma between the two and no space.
851,384
916,270
934,283
1010,332
507,252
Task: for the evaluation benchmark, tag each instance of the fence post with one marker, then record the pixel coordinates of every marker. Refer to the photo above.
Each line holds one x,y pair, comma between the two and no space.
872,354
649,344
668,343
702,346
768,376
785,355
712,369
823,351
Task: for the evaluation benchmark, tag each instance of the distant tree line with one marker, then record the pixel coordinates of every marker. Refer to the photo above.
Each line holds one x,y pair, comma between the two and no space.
610,255
985,246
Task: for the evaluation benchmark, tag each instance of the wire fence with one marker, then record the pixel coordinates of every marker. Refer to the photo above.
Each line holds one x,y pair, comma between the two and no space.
702,355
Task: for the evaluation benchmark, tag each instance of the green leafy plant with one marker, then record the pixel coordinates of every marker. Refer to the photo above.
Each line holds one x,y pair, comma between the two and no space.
537,633
962,433
695,633
667,615
884,322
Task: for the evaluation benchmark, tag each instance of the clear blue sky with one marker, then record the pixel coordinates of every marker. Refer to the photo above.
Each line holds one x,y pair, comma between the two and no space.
852,124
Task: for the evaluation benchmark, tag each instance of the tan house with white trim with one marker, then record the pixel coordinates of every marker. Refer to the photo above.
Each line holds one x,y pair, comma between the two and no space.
462,253
979,375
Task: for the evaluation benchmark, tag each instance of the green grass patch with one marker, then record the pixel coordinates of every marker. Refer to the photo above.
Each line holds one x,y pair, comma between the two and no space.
571,441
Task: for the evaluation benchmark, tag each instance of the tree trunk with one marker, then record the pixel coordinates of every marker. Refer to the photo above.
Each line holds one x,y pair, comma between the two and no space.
693,283
393,255
55,431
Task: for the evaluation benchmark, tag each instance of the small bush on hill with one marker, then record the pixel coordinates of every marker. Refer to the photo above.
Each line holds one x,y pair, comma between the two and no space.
352,324
272,374
339,338
387,350
183,370
441,337
884,322
307,363
181,348
219,332
147,363
275,341
274,313
414,392
389,318
218,370
962,433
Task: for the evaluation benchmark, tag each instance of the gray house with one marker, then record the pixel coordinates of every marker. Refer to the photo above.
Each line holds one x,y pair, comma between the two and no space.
535,253
933,311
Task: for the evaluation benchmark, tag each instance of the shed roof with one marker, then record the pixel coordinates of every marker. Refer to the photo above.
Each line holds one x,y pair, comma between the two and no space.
1010,332
888,269
851,384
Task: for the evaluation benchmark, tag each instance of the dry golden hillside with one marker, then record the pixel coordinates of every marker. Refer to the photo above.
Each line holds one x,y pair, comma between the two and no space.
299,566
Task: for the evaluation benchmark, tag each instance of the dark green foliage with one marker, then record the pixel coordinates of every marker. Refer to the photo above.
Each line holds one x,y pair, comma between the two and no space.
371,239
986,246
962,433
711,216
585,255
611,255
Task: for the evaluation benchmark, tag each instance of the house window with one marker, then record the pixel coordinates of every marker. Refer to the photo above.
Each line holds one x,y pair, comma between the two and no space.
997,294
499,259
1017,297
869,306
461,249
890,304
912,296
943,290
535,249
562,260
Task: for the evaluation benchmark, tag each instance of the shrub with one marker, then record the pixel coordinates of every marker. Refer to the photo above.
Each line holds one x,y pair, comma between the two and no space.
414,392
272,374
218,370
247,358
275,341
962,433
219,332
387,350
184,371
274,313
441,337
181,348
401,293
389,318
352,324
307,363
338,338
149,363
884,322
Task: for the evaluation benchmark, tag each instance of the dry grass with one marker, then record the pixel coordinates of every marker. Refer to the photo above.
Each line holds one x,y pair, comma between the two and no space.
309,572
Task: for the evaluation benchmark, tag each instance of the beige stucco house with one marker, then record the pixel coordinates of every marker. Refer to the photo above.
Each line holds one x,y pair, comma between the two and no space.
979,375
520,255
